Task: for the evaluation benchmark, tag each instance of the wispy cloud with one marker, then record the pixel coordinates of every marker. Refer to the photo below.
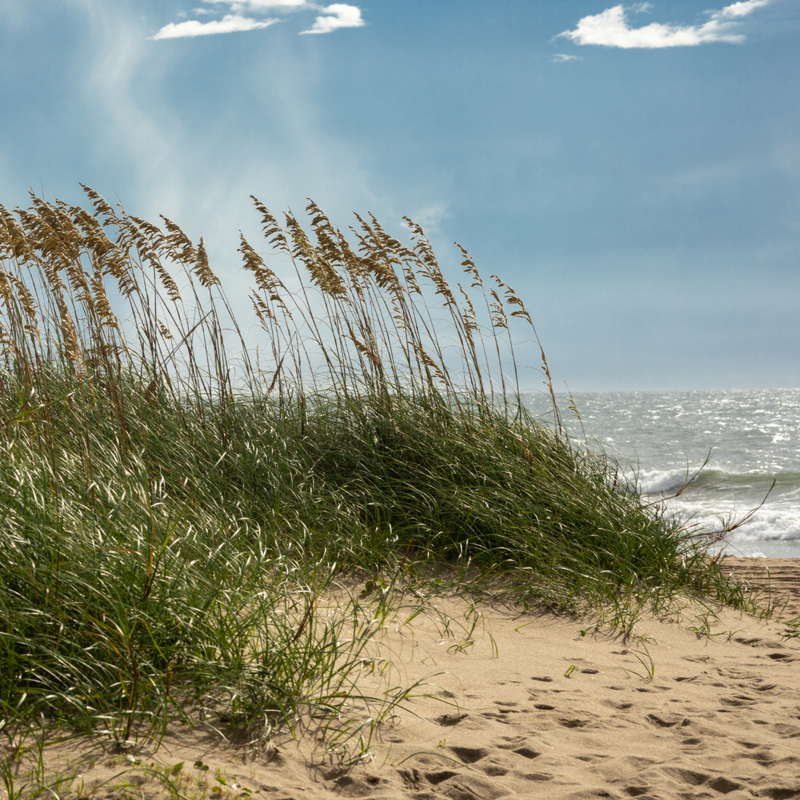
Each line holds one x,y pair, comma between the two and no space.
431,216
230,23
737,10
611,29
246,15
259,5
560,58
336,16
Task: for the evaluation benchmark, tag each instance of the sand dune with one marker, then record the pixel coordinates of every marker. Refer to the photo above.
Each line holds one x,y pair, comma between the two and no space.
704,705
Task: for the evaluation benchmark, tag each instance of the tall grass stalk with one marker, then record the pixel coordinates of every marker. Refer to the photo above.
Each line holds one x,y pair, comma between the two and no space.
174,505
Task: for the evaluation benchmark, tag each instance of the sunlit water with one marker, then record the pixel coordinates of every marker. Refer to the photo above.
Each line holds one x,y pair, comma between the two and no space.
753,438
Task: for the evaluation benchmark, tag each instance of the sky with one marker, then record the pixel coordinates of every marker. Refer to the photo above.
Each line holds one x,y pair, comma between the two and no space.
632,170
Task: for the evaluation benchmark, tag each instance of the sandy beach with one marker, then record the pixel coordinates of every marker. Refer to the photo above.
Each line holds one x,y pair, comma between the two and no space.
703,705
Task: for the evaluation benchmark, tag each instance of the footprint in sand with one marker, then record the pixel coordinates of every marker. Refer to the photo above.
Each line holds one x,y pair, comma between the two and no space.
495,771
636,791
686,775
783,657
449,720
750,745
667,720
786,731
575,722
526,752
517,744
738,700
452,784
618,706
755,642
537,776
469,755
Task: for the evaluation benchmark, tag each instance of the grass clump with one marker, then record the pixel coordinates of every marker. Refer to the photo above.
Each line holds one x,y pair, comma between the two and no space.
173,510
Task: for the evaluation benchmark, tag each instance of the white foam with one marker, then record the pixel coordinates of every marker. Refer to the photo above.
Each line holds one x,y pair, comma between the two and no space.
771,522
661,481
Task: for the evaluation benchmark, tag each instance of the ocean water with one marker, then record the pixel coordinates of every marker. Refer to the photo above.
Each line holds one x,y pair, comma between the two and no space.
750,438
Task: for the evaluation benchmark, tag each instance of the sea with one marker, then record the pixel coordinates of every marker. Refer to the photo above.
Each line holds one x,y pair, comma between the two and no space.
716,458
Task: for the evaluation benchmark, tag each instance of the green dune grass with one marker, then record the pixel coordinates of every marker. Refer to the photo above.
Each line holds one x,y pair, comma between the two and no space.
174,505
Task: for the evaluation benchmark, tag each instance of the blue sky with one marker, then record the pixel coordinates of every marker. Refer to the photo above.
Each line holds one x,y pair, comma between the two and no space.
633,170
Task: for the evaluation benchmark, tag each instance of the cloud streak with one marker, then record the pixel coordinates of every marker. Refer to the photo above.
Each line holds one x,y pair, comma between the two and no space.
610,28
245,16
230,23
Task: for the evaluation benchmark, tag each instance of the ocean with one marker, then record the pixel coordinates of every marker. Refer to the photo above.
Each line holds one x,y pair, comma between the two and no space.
750,437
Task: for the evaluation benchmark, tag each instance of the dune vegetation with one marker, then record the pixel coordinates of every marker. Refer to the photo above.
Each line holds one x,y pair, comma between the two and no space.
175,503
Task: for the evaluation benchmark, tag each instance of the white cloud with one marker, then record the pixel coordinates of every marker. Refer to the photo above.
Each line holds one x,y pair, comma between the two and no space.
559,58
611,29
742,9
338,15
246,15
230,23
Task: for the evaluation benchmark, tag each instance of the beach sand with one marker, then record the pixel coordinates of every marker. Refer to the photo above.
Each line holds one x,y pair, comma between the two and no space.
701,705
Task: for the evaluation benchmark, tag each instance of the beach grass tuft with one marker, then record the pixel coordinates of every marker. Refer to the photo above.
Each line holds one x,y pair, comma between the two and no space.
176,505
